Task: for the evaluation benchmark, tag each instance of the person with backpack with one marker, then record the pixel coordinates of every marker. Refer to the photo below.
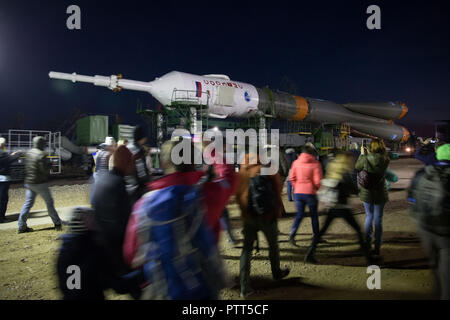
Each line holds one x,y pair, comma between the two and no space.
372,165
305,176
429,197
171,234
259,199
334,192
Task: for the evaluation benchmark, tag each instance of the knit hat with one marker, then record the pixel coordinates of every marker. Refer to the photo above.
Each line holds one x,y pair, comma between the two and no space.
443,152
123,160
39,142
139,133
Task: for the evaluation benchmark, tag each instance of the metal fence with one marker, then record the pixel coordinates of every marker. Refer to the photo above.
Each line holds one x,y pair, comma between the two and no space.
23,140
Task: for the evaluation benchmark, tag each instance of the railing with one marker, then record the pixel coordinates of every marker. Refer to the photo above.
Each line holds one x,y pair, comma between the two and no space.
23,140
190,97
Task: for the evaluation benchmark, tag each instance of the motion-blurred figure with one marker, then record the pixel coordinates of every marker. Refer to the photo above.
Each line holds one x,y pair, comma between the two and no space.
429,196
170,234
226,225
328,158
426,152
355,150
37,170
83,267
337,186
259,198
291,156
305,177
5,176
138,179
112,206
373,164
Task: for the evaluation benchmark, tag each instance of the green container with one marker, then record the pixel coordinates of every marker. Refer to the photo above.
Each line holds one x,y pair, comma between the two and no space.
92,130
123,132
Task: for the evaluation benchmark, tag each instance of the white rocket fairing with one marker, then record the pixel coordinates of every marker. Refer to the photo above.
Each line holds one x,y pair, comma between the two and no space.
227,98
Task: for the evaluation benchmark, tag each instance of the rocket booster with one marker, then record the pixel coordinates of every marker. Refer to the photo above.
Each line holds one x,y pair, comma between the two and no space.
227,98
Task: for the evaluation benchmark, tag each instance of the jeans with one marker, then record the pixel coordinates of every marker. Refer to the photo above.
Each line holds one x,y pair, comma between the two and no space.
251,228
289,191
4,189
374,213
300,201
437,249
32,191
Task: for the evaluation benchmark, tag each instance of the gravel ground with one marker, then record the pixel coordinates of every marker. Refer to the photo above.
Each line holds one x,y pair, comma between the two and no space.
64,196
27,261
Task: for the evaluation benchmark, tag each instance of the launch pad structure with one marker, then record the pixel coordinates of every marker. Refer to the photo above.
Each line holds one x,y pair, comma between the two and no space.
186,111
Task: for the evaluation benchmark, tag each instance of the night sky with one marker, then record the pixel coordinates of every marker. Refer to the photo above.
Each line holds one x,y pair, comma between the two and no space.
323,49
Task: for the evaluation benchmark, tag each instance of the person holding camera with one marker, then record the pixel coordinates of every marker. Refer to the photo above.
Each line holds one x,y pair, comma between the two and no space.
373,163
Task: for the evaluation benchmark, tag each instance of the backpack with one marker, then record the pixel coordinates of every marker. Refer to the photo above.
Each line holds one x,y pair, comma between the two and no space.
429,197
261,195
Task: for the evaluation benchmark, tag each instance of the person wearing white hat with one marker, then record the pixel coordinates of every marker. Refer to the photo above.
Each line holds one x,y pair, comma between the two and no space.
103,157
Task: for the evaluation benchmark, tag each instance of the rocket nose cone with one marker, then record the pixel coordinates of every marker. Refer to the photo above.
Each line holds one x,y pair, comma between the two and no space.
160,92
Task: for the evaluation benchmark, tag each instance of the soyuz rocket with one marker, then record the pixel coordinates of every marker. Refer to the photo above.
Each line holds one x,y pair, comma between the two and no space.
227,98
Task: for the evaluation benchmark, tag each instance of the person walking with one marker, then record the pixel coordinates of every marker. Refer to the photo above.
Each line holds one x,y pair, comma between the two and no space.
305,176
80,249
112,206
5,176
336,188
169,234
259,199
374,162
429,197
37,170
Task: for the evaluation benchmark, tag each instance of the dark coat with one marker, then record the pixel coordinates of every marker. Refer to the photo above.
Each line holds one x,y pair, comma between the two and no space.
378,164
112,206
5,162
37,167
346,187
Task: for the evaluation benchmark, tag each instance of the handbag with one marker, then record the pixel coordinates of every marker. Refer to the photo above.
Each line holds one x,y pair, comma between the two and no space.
366,179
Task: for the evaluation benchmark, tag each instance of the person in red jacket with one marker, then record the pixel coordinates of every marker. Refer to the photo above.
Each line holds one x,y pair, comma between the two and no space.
305,176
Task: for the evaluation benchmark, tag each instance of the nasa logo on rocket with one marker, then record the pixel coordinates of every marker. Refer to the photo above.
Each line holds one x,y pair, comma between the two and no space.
247,96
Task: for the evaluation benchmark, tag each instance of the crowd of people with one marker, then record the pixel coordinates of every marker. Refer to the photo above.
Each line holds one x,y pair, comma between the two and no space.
159,238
